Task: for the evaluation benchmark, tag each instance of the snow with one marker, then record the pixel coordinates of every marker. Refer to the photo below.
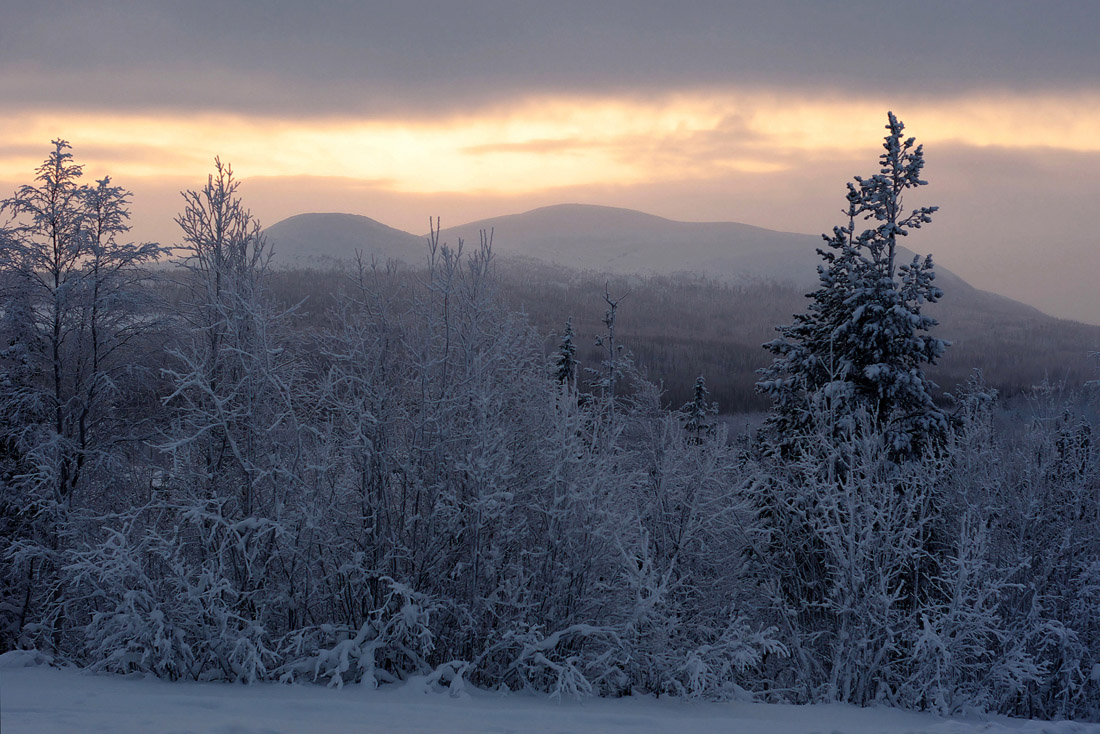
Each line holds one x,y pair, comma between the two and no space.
39,699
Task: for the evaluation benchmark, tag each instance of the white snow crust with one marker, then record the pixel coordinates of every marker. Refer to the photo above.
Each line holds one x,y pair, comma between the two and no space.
40,700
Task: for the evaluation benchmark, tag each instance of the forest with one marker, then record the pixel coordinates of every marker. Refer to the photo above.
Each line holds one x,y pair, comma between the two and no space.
683,325
205,476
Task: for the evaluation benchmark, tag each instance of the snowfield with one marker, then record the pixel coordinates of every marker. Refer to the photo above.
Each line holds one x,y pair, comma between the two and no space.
40,699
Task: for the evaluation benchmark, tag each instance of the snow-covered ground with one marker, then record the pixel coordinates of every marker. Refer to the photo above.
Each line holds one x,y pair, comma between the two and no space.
41,699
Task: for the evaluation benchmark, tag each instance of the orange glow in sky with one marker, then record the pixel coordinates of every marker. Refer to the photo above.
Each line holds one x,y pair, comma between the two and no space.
544,143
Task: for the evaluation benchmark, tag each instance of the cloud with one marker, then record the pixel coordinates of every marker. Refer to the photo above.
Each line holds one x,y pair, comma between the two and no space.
544,145
420,59
548,142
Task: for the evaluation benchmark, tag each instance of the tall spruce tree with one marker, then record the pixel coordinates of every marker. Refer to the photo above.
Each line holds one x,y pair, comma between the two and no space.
698,415
863,340
565,364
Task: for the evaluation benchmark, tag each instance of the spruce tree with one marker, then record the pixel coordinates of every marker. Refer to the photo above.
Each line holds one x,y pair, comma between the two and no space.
565,365
863,340
697,415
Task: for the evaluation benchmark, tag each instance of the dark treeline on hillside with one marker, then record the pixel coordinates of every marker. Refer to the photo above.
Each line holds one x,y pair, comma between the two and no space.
682,326
200,480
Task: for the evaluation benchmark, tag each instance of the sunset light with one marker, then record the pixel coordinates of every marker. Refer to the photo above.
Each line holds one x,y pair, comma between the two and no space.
545,143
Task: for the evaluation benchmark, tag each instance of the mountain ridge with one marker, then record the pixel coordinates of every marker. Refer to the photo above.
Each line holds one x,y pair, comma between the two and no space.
331,238
588,237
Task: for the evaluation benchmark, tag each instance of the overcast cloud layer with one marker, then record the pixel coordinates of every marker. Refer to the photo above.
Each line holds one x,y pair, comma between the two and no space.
292,58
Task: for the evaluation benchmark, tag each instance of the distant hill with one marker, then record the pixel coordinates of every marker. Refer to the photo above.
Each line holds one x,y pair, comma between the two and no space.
325,240
600,239
610,240
622,241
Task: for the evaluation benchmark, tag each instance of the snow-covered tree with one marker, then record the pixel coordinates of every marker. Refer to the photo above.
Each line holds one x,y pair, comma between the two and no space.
565,363
698,415
617,366
76,310
862,342
230,393
852,505
217,550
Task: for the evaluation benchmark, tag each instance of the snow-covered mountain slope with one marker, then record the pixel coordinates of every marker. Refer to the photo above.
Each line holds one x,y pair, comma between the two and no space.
324,240
582,237
592,238
607,239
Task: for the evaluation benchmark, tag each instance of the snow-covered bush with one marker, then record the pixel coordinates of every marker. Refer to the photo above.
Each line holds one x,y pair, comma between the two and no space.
395,641
967,655
157,607
690,627
848,558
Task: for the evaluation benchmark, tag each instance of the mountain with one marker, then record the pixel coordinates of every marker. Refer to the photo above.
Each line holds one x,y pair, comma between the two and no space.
599,239
609,240
622,241
614,241
582,237
325,240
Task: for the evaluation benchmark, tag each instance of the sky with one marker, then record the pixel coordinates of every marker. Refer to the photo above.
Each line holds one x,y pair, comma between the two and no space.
757,112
